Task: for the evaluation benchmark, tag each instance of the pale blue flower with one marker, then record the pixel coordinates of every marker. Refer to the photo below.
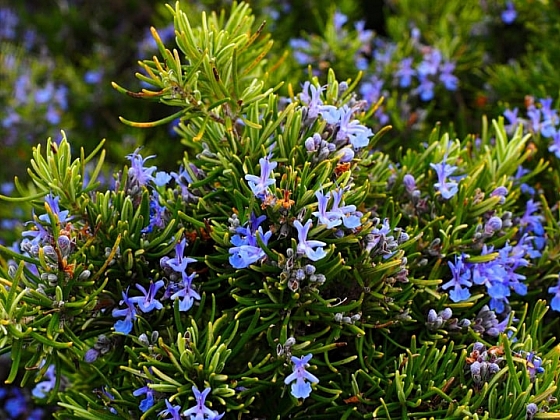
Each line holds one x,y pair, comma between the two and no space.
405,72
42,389
259,185
305,246
52,202
330,219
357,134
300,378
138,175
200,411
446,188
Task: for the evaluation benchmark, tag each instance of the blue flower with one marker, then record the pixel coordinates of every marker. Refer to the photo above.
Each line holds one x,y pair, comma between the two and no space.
534,365
42,389
124,326
147,402
331,219
425,89
299,46
38,234
339,19
157,214
200,411
179,262
92,77
172,410
460,280
430,64
246,250
311,96
162,178
183,178
52,203
301,379
346,215
259,185
492,225
555,290
10,22
148,302
532,223
306,247
15,406
409,183
554,147
138,175
446,76
511,115
501,192
447,189
371,90
534,115
405,72
351,129
186,292
351,218
509,14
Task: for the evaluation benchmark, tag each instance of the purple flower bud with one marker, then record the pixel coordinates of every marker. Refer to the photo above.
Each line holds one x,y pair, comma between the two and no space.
531,410
310,269
492,225
91,356
346,154
478,347
475,368
310,144
446,314
409,183
493,368
499,191
432,316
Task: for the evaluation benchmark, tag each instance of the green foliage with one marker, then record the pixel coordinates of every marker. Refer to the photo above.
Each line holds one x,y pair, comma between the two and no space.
357,303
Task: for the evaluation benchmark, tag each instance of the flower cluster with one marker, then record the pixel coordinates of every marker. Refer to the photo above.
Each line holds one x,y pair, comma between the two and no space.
484,363
499,275
347,133
442,319
179,288
17,404
541,119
